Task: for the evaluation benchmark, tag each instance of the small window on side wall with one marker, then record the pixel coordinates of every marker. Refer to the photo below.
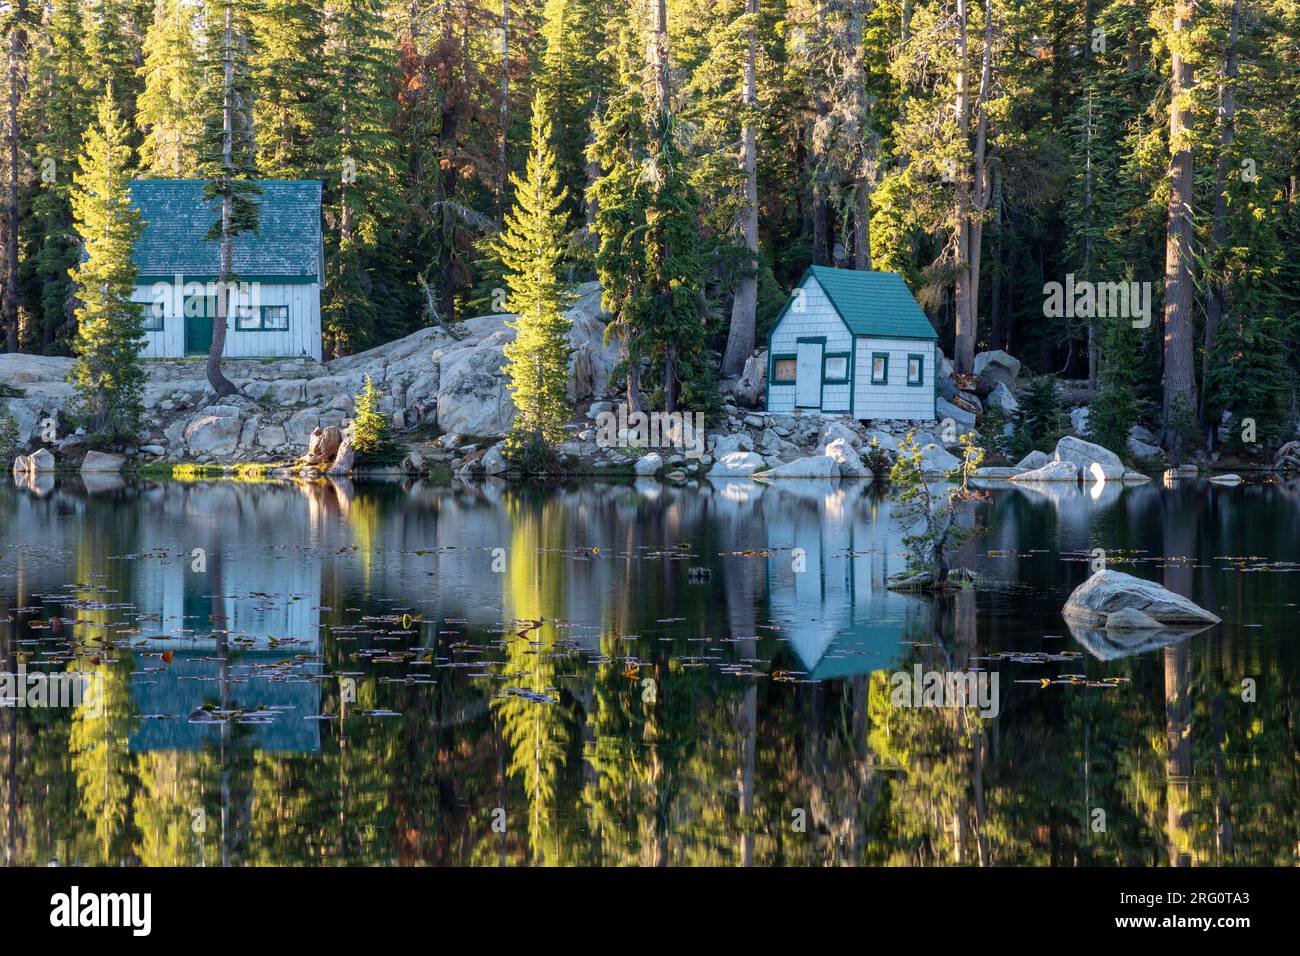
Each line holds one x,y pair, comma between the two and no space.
879,368
837,368
275,317
915,369
151,316
783,371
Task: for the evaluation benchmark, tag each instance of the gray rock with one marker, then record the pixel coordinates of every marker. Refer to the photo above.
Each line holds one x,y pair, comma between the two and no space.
1002,398
98,461
736,464
40,460
1131,619
814,466
848,458
946,409
727,444
1079,419
1106,592
1084,455
494,462
648,464
1035,459
1227,479
997,366
1143,451
216,435
272,436
992,471
473,395
1052,471
1141,434
935,462
156,450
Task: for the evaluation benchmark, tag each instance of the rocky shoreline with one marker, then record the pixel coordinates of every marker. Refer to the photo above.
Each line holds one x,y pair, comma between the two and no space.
449,401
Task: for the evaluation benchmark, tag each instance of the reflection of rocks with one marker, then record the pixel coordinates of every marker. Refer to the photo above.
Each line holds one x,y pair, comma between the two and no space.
1107,592
1108,645
99,482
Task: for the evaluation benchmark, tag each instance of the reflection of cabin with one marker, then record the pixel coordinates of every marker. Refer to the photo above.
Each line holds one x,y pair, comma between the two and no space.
279,270
853,343
838,617
194,679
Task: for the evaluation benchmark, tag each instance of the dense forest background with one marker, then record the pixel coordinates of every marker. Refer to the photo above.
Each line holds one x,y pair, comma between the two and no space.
982,148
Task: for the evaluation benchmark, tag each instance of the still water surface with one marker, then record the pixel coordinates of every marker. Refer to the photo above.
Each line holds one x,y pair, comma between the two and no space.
615,674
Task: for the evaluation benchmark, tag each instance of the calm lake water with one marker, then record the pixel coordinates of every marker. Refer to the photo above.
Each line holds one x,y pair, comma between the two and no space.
619,674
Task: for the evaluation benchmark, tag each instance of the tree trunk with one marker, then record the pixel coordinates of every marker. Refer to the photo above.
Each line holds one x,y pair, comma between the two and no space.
740,339
17,54
863,173
220,384
1214,303
1180,376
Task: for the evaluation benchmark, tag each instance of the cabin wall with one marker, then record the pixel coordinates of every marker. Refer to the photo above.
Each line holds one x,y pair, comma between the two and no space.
895,398
302,336
814,317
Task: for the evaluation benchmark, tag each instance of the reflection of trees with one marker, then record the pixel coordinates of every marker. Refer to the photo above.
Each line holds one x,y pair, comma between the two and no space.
540,735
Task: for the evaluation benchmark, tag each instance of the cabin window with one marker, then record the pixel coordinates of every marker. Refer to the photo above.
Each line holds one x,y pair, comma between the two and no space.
266,318
836,369
275,317
783,369
915,367
151,316
879,368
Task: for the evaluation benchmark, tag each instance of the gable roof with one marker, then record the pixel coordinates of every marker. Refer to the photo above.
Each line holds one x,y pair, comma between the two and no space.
176,218
873,303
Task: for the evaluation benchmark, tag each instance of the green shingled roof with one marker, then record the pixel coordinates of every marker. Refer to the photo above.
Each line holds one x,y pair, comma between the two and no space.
873,303
176,217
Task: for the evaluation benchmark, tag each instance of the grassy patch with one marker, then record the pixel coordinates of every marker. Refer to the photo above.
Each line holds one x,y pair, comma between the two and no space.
191,471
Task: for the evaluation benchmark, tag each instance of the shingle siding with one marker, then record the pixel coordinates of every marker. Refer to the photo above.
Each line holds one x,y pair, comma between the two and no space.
895,399
809,316
177,219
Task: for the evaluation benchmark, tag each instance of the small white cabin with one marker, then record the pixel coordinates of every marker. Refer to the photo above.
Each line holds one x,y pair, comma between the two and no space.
853,343
273,308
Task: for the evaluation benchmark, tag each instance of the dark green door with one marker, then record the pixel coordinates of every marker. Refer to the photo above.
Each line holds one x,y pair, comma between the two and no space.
198,328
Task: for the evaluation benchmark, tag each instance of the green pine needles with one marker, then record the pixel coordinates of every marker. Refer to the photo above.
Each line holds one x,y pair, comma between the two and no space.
108,376
372,431
531,248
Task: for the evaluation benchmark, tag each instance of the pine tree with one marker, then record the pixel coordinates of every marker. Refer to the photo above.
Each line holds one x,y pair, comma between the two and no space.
167,111
361,159
60,75
372,431
288,77
649,259
531,247
108,376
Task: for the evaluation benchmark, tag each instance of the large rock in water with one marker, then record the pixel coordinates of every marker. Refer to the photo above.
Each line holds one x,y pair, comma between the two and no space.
814,466
98,461
1084,454
41,460
1108,592
1052,471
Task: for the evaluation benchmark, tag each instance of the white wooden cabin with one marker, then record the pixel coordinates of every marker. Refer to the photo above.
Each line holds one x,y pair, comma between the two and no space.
853,343
274,302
